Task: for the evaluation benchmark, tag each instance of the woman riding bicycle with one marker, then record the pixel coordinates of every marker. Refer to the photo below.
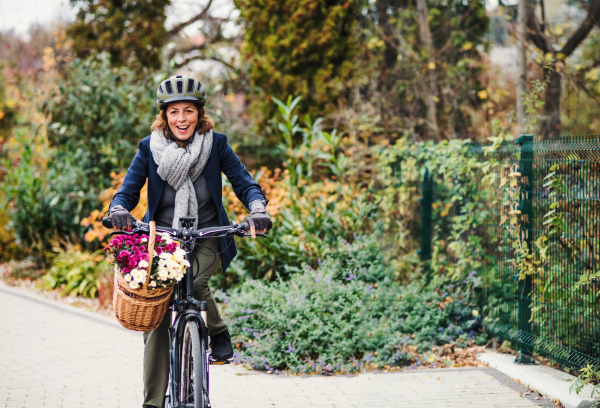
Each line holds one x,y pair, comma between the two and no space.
183,159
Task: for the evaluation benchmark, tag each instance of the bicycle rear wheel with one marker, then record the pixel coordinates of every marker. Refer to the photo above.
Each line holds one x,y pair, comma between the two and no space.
192,391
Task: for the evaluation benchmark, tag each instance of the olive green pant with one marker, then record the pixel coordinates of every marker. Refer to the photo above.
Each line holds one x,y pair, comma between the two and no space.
156,342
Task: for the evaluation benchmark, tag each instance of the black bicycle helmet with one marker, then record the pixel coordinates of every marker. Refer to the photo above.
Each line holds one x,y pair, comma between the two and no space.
180,88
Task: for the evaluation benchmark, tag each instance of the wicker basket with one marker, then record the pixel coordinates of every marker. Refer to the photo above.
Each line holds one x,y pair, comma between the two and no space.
141,309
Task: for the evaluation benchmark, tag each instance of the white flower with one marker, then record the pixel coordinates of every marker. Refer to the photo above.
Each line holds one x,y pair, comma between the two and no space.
163,274
144,239
143,264
138,275
134,285
185,263
127,278
152,284
165,255
171,264
166,237
179,255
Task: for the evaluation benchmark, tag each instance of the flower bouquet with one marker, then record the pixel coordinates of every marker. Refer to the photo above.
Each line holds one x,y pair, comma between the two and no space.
130,255
146,269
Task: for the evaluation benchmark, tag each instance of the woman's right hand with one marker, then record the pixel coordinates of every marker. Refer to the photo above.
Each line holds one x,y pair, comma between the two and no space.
121,219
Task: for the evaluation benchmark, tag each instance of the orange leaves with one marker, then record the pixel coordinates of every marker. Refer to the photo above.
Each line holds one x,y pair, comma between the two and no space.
95,218
274,185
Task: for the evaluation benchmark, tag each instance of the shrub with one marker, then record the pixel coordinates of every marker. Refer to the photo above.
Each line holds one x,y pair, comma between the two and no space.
77,273
311,208
98,116
344,315
66,146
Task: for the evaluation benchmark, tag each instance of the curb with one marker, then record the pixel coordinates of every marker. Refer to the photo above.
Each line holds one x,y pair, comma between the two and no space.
85,314
549,382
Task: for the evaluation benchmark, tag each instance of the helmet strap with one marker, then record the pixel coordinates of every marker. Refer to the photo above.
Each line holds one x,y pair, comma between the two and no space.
184,142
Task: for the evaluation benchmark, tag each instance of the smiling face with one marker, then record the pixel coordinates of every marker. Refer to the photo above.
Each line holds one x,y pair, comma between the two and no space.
182,118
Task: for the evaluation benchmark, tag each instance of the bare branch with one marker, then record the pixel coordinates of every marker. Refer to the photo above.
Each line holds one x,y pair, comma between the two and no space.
535,33
584,29
583,87
187,48
228,65
175,30
543,27
204,57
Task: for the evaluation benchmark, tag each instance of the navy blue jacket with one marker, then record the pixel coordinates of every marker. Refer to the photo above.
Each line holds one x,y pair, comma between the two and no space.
222,159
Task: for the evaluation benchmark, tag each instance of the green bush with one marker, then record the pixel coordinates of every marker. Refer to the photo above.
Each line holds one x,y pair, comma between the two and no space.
27,202
333,319
98,116
319,211
62,163
77,272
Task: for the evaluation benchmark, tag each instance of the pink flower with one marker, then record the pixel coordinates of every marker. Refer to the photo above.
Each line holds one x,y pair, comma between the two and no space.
137,241
158,239
127,269
136,236
107,248
124,254
129,242
145,256
158,250
115,241
132,263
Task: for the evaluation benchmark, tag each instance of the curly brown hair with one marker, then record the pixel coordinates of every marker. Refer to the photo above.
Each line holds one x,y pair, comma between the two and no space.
205,123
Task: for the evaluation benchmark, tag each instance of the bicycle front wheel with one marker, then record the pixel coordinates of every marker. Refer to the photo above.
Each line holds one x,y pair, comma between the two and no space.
192,380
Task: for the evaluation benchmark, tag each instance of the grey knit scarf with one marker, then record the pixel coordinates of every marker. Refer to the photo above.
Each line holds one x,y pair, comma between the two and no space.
180,167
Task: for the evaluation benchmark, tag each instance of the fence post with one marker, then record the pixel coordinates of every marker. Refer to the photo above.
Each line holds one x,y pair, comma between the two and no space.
426,201
526,222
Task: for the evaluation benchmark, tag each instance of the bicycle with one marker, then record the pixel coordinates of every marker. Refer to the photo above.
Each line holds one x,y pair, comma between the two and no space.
189,355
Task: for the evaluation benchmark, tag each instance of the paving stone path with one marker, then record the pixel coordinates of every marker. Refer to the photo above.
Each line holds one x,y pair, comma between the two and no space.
53,355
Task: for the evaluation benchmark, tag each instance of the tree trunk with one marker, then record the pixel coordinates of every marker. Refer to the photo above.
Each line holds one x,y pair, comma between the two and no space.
550,121
522,11
423,16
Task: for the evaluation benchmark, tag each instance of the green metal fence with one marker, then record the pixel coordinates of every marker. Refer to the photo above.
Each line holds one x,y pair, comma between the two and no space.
546,313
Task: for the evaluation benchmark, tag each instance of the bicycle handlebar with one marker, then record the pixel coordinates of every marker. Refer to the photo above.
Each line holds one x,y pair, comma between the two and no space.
210,232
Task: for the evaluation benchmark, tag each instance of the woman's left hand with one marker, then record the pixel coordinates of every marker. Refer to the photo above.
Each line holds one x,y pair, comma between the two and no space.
259,221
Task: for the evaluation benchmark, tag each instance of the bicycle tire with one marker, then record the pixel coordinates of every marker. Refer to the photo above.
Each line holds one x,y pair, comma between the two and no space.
191,392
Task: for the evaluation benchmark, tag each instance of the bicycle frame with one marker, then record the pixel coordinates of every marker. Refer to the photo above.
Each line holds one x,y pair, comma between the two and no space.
185,308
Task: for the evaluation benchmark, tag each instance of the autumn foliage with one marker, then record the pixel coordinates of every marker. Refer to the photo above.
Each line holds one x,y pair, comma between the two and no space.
94,220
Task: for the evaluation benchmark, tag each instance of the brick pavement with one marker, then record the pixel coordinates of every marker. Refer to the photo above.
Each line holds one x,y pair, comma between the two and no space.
51,356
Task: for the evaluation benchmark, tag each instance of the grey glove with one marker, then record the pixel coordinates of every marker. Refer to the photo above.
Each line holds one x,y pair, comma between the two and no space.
258,216
121,218
260,219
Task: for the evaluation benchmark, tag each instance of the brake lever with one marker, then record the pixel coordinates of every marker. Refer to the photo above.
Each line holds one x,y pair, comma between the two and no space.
258,234
122,233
